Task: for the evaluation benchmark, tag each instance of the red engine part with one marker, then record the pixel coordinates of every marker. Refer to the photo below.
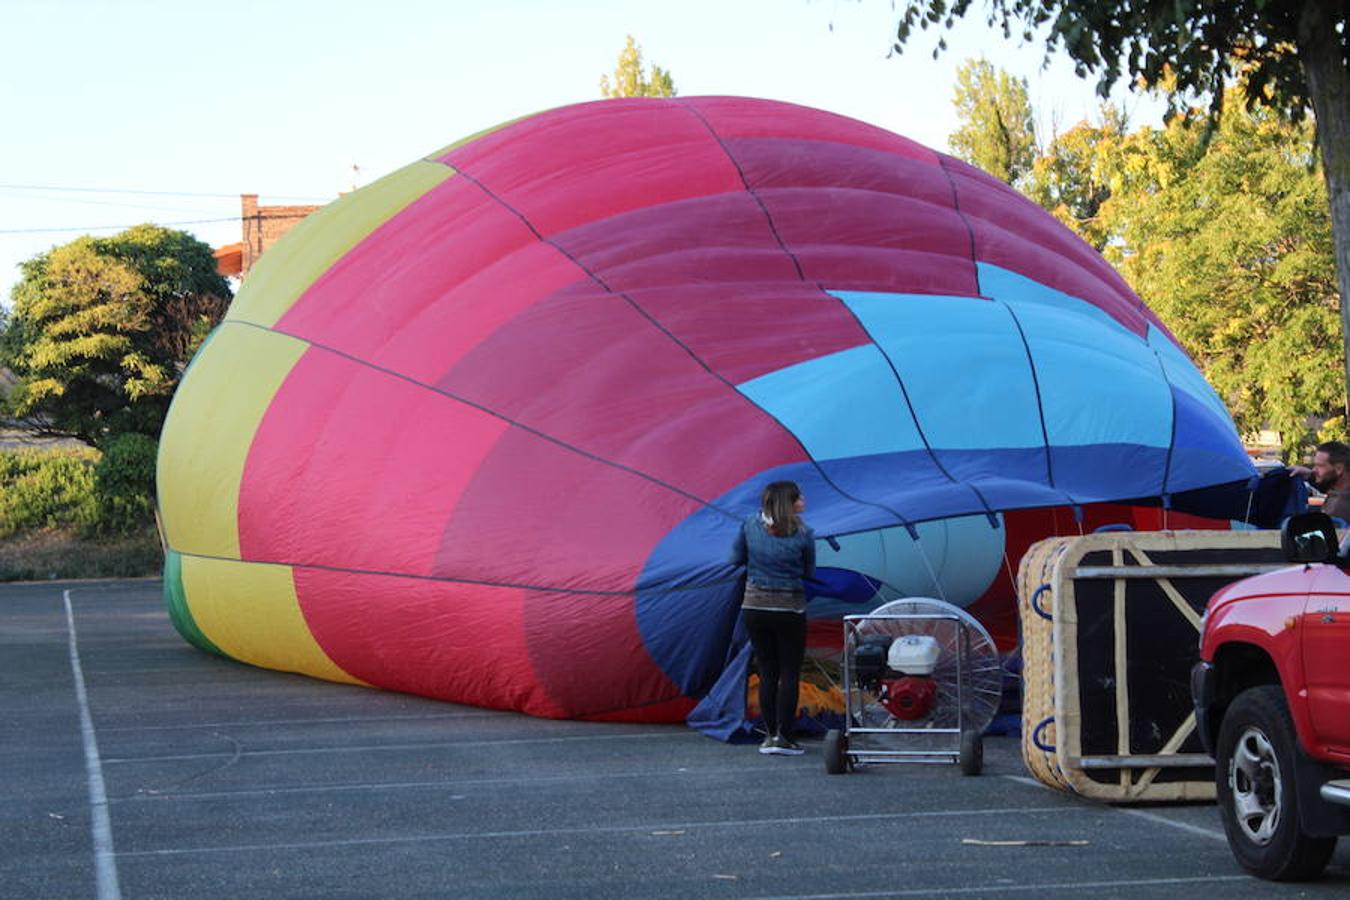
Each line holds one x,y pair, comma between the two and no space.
909,698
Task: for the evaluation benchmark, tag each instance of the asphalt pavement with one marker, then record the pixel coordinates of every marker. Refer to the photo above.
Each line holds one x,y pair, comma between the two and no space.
135,766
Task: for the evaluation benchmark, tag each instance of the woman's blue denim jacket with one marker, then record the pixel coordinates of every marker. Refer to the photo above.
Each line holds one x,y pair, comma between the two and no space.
772,561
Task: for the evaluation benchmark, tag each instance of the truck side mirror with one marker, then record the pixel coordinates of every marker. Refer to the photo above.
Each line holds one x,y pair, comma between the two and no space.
1309,538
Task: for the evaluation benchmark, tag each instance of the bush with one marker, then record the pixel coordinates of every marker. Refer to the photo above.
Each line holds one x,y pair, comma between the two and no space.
124,485
46,489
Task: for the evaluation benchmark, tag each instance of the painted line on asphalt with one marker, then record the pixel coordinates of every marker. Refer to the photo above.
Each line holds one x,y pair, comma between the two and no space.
1013,888
1210,833
335,720
645,828
105,862
451,785
300,751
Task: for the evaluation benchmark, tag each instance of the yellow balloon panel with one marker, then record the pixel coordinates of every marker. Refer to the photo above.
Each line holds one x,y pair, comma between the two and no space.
296,261
250,611
209,429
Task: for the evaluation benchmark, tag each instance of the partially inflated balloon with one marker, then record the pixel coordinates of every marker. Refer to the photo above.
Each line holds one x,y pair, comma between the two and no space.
485,429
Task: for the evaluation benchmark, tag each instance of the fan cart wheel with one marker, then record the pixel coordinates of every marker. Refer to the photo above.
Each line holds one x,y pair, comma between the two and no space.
836,752
972,753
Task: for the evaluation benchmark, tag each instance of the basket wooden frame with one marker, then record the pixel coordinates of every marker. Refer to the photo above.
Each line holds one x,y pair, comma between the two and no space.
1052,720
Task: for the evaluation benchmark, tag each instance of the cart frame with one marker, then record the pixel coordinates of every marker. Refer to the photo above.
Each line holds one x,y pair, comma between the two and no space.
966,746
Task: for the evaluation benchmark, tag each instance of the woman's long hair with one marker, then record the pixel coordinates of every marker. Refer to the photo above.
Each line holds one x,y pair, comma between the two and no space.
778,507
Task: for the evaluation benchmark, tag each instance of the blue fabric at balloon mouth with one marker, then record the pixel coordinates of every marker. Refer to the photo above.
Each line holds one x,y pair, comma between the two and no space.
688,594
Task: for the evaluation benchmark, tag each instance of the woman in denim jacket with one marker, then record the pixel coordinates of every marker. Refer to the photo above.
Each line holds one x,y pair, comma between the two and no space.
778,551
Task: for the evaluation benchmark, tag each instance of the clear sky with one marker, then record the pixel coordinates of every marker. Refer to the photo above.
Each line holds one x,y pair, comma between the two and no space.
281,97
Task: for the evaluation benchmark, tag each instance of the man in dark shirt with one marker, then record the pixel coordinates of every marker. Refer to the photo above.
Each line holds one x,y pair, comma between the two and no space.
1330,472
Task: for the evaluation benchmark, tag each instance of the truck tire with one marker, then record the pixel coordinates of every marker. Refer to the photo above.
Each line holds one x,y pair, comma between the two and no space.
1254,777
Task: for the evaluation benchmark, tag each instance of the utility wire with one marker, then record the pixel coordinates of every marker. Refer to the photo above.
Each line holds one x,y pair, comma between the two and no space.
123,204
87,190
254,217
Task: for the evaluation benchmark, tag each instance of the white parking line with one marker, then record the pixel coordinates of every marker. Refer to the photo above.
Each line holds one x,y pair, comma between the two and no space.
983,889
1211,833
105,862
430,745
644,828
334,720
444,786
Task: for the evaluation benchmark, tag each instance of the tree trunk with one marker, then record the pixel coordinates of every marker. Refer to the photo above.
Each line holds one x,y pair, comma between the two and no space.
1325,68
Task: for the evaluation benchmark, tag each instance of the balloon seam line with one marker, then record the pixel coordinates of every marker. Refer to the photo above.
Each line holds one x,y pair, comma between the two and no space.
903,520
1172,438
774,230
321,567
494,413
652,320
745,182
1036,385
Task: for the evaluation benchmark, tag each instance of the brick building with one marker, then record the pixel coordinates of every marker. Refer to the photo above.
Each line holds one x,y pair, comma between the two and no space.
263,226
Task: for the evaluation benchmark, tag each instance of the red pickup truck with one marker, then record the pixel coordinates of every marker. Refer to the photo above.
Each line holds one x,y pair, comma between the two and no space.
1272,704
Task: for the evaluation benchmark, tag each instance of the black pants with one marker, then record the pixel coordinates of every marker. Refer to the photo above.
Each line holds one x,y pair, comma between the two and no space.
779,639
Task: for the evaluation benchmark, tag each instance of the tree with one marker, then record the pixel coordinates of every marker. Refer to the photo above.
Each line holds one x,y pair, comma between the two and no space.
631,78
1294,55
1231,245
1074,177
102,328
997,131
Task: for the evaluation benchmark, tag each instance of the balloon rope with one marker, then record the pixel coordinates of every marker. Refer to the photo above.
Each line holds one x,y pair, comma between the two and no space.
928,564
1007,567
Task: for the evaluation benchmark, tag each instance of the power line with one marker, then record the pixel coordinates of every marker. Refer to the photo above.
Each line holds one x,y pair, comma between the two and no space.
122,204
255,217
50,231
89,190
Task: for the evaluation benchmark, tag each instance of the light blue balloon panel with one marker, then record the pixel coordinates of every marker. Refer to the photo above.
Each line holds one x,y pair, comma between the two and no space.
955,560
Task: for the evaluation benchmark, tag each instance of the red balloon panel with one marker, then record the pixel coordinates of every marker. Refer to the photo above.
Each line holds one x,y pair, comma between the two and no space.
415,451
450,640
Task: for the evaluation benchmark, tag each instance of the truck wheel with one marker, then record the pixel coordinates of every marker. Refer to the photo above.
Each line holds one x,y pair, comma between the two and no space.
1254,777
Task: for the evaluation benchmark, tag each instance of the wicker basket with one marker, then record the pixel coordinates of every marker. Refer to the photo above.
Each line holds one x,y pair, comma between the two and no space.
1110,626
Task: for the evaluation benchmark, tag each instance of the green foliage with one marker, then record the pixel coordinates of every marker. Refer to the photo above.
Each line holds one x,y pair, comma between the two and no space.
74,513
1333,429
1231,245
1075,176
997,130
631,78
1197,44
1225,234
46,489
124,485
102,328
1224,231
1289,56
